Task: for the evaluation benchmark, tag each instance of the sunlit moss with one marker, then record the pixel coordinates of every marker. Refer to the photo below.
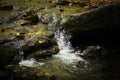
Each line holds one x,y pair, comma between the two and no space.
39,29
42,27
41,41
73,10
9,32
27,3
38,32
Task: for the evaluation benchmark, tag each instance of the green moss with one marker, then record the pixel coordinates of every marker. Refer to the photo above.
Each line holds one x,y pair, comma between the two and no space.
27,3
9,32
74,10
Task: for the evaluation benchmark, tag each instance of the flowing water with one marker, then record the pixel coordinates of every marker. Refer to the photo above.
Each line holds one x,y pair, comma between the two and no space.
64,61
66,64
67,54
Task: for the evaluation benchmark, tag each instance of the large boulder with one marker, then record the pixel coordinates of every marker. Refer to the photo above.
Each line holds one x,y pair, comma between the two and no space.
7,54
100,26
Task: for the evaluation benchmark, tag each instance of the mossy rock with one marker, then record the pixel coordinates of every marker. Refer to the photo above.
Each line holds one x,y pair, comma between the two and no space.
99,26
41,48
7,53
94,52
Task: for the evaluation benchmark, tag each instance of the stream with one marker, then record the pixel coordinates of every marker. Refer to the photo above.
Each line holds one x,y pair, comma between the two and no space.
35,44
66,64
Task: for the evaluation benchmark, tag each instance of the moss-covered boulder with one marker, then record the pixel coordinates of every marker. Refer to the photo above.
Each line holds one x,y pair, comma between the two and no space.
40,46
99,26
31,39
7,54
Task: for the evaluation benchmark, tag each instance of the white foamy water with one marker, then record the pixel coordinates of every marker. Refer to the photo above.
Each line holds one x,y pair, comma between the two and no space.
66,53
30,63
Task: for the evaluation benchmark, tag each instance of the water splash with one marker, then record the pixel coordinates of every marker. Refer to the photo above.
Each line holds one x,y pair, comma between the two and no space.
30,63
67,54
26,62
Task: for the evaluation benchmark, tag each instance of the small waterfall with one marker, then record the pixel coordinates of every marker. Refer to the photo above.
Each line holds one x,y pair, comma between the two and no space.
67,54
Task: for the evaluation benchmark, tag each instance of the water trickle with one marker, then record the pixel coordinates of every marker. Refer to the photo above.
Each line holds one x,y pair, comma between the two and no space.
67,54
30,63
26,62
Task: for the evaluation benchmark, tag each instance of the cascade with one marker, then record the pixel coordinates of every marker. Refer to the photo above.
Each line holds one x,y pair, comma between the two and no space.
67,53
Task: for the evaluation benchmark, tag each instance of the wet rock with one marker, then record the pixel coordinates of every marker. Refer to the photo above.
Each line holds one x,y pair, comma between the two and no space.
99,26
62,2
46,52
23,22
94,52
40,47
6,7
28,37
7,53
6,40
31,39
